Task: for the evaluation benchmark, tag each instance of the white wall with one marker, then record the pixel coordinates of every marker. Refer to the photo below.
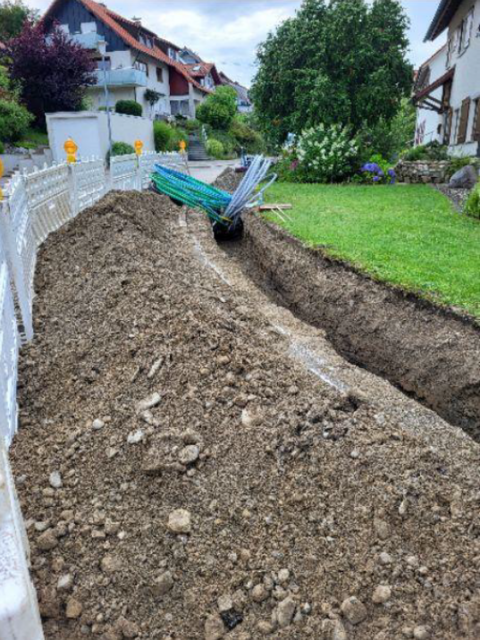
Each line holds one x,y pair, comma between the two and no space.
89,130
427,120
466,83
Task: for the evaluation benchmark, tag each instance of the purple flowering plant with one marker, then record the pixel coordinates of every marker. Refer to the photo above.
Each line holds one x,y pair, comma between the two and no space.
377,171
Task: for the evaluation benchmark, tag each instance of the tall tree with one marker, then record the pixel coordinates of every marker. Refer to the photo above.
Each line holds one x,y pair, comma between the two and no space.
343,61
51,70
13,15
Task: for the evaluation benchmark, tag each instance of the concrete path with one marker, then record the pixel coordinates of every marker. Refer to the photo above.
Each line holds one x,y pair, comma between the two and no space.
210,170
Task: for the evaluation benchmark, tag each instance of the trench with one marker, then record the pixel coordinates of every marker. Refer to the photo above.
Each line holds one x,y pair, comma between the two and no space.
429,353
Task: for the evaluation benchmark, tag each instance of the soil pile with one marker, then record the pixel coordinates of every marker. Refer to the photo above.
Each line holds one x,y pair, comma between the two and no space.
183,478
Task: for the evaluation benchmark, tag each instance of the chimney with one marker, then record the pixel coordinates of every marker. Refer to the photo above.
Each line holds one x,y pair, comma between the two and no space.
137,21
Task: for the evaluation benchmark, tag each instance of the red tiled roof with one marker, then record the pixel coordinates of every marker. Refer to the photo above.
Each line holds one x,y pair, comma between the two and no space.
112,20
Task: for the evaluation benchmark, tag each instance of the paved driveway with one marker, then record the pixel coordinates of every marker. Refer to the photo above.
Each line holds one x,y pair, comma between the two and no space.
210,170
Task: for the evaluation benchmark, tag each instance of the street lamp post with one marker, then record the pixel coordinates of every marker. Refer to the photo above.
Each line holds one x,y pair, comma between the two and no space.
102,49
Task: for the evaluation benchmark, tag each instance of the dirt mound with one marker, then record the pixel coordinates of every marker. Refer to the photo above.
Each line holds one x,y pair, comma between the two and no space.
183,478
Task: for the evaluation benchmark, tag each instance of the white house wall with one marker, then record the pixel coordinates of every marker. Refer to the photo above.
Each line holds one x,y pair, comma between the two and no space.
466,83
428,121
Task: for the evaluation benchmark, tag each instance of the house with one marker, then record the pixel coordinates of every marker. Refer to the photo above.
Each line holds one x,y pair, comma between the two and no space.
447,88
136,59
244,103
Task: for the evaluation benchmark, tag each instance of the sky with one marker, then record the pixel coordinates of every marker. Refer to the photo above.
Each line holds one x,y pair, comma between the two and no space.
228,32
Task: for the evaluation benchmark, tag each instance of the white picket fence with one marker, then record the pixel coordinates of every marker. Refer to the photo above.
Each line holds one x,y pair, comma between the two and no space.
34,206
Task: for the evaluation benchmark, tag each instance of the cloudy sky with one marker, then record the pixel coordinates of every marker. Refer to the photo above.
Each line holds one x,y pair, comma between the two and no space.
229,31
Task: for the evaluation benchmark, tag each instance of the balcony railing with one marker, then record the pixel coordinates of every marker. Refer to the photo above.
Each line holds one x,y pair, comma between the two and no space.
122,78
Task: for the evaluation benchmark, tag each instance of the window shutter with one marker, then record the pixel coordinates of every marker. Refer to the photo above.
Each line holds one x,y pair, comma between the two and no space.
462,130
476,126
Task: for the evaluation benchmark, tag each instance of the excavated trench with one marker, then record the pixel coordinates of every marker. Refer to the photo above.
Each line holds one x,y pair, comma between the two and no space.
431,354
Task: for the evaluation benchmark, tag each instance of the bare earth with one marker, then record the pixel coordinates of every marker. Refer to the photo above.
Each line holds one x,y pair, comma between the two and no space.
194,462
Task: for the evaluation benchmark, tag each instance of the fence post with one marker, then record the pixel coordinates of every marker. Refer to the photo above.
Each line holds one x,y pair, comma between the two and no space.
16,266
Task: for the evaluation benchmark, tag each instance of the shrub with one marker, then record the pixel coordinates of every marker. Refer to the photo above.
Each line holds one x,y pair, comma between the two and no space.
246,137
120,149
431,151
326,154
14,120
129,108
192,125
472,206
377,171
2,147
230,145
163,133
215,148
219,109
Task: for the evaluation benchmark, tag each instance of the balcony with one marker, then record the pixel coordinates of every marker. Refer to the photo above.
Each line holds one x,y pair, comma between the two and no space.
87,40
122,78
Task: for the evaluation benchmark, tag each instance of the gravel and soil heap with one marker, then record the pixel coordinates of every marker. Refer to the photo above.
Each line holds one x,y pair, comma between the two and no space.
183,478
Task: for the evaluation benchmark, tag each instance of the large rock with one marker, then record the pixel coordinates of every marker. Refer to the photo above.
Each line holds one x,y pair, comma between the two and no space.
465,178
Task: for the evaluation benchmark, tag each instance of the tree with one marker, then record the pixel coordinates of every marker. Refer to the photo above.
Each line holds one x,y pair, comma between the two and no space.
13,16
219,109
51,70
340,62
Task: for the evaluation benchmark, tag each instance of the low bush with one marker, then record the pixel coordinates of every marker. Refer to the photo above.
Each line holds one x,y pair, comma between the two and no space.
230,145
2,147
326,154
191,126
431,151
120,149
14,120
129,108
472,206
215,148
162,133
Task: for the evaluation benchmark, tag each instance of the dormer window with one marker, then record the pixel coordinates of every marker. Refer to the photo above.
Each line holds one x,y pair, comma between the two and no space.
172,54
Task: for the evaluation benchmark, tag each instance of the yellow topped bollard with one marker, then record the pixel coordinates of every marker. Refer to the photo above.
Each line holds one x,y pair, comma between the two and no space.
71,150
183,146
138,147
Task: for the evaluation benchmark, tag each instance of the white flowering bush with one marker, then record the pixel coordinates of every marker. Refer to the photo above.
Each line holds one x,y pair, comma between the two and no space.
326,154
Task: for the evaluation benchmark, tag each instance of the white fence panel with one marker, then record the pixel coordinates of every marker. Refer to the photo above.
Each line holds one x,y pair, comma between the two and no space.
89,183
48,196
124,173
9,346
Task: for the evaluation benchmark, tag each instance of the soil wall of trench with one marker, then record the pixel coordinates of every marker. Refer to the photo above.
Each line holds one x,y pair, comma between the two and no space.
430,353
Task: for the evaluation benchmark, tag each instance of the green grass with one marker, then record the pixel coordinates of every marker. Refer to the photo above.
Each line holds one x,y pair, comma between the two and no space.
405,235
32,139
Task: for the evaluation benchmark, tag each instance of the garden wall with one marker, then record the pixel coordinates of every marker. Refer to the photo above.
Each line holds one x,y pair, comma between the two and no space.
423,172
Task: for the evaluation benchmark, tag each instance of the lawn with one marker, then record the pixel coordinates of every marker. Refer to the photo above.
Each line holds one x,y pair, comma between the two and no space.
406,235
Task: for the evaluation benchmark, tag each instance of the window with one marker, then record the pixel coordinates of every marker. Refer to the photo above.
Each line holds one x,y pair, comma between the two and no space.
88,27
65,28
159,74
141,66
465,32
107,65
172,54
